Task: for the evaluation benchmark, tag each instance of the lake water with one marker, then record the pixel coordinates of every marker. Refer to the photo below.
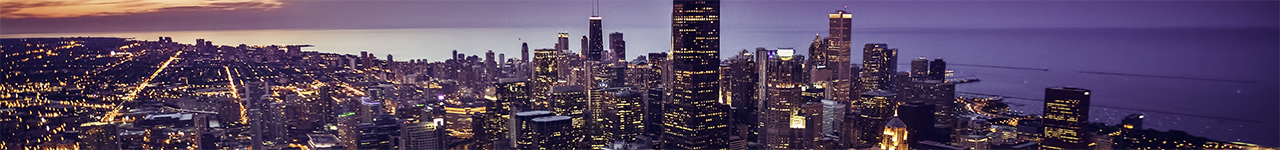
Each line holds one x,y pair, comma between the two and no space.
1237,100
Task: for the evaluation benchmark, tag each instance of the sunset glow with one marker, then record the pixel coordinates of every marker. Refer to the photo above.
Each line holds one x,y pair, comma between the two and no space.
83,8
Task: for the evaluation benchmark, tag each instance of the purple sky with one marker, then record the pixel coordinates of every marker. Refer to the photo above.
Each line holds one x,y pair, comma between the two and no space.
772,15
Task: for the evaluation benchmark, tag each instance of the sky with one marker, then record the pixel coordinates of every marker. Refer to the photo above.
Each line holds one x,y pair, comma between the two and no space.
62,16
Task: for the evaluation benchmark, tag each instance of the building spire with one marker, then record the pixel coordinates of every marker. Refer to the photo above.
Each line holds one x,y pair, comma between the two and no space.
595,10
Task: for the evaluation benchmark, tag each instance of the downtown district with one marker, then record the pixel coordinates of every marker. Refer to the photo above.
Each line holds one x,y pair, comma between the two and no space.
115,93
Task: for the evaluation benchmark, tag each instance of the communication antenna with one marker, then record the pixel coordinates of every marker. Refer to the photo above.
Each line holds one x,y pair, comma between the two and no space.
595,11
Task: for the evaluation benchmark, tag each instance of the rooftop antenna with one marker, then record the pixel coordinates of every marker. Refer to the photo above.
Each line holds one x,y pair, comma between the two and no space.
595,11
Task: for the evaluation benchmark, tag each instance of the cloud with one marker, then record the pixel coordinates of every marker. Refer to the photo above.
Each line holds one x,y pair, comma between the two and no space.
89,8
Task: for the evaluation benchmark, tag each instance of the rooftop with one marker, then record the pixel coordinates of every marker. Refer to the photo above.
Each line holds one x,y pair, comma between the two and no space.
551,118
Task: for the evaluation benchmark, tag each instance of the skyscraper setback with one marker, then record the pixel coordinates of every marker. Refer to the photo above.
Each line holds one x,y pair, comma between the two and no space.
695,119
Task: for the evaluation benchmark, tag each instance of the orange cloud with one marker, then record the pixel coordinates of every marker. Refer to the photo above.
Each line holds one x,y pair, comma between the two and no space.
14,9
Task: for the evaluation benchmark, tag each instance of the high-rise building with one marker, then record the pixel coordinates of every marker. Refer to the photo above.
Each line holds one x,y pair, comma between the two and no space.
461,116
782,88
524,52
658,66
599,118
809,131
919,68
628,113
545,76
895,136
618,46
582,53
562,41
740,89
741,82
616,114
818,51
838,53
833,113
877,109
1133,121
919,118
555,132
1066,114
696,119
509,93
525,135
570,101
940,94
596,39
938,69
424,134
657,96
880,64
379,134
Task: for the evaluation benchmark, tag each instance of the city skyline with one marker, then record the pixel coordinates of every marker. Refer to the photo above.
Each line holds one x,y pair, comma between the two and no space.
753,16
1102,74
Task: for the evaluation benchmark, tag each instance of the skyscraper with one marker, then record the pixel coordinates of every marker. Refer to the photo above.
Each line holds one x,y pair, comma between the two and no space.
782,80
508,94
1066,114
526,136
524,52
423,134
562,42
919,118
838,52
596,38
919,68
741,85
618,46
696,120
616,114
570,101
877,109
937,69
545,75
880,64
582,53
554,132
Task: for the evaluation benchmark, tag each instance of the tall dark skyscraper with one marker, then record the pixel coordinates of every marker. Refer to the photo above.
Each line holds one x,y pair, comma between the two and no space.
582,53
596,40
695,119
524,52
937,69
879,65
618,46
838,52
1066,114
919,67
